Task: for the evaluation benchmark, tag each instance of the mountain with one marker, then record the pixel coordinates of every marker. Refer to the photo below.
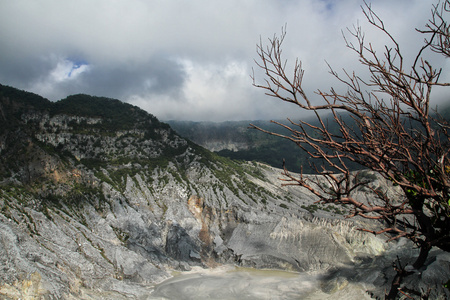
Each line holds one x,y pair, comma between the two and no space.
236,140
100,200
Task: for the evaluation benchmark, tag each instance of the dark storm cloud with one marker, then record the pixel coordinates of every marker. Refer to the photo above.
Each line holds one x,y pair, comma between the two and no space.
156,76
20,71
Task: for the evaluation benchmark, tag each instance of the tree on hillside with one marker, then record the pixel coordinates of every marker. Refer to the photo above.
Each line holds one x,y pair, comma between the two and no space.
393,131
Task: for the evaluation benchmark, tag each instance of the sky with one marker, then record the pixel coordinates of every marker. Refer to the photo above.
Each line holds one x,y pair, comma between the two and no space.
189,60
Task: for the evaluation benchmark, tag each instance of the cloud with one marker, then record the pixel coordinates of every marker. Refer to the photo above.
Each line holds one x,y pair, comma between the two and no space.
185,59
209,92
66,69
58,72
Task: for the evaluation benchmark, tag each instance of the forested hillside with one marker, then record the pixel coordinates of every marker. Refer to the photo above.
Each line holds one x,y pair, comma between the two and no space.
236,140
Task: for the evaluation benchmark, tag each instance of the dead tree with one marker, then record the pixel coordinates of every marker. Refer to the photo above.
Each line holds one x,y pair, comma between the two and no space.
393,131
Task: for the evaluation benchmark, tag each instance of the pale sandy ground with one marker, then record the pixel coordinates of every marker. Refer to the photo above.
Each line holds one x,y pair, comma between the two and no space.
229,282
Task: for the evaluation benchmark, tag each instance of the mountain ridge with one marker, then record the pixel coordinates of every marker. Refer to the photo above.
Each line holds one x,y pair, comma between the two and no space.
94,206
237,140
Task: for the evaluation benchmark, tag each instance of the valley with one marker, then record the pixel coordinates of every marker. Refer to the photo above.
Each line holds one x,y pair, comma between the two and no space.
101,200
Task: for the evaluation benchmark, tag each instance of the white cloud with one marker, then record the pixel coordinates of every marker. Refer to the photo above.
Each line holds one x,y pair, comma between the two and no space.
215,92
61,73
185,59
67,70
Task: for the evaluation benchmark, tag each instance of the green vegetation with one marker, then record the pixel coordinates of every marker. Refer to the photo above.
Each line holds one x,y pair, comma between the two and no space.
23,99
265,148
312,208
234,175
123,236
117,115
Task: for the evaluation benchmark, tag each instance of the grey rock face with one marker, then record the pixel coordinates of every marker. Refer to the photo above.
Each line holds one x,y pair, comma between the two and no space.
89,213
140,236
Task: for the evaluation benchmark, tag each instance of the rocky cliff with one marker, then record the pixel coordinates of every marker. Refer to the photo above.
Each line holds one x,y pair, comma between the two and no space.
100,200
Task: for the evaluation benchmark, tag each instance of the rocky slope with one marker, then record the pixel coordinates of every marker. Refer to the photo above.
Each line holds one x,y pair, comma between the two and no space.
100,200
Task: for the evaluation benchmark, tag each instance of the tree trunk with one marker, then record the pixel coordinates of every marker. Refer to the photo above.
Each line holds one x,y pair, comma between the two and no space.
395,285
402,273
423,255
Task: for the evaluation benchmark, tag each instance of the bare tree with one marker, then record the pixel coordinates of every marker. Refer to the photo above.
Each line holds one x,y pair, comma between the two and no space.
392,131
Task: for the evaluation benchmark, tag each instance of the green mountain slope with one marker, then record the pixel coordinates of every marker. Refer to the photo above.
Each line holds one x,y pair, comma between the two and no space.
237,141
